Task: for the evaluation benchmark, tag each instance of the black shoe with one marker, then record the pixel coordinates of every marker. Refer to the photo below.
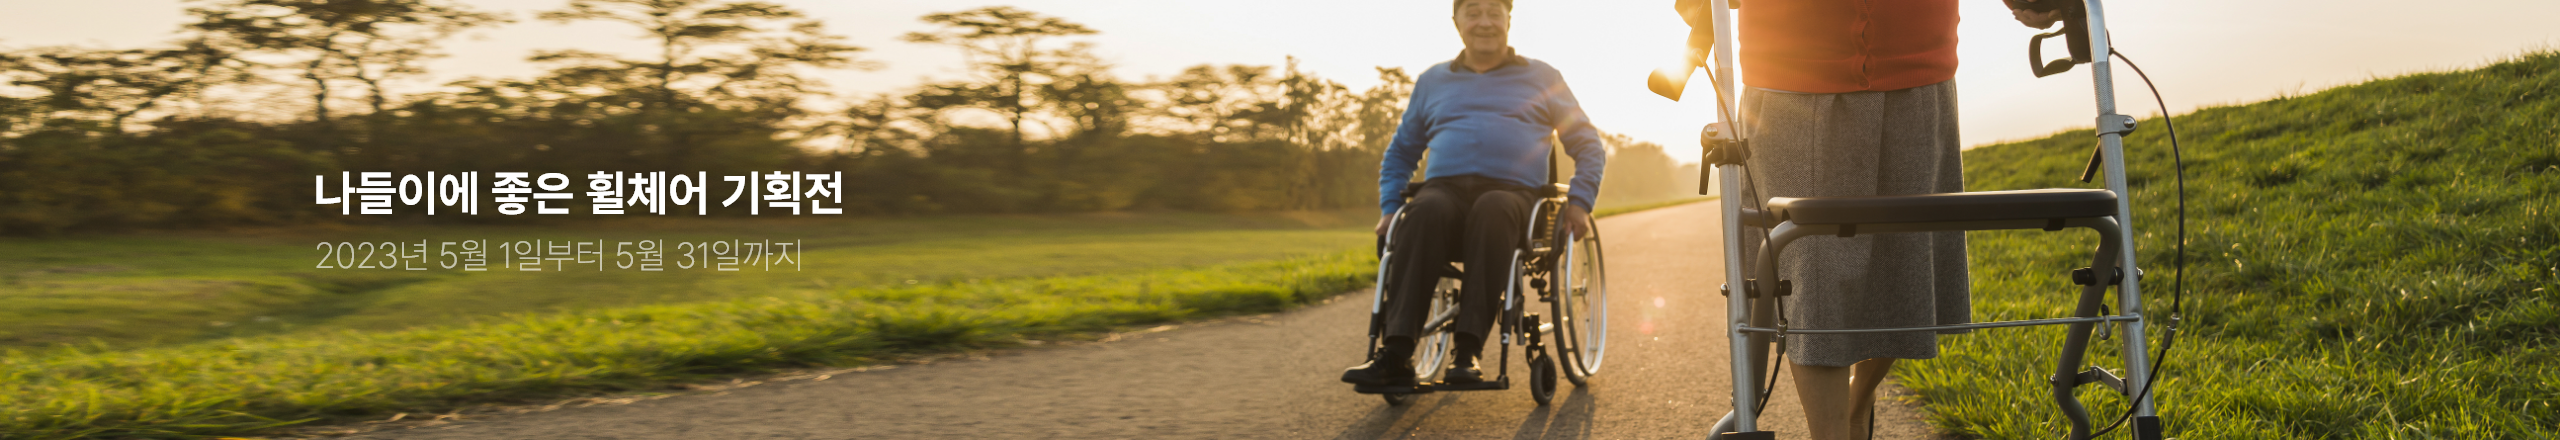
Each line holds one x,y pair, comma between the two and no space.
1392,364
1379,374
1462,373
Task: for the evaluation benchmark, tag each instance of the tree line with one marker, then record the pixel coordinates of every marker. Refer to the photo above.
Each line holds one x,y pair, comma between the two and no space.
218,127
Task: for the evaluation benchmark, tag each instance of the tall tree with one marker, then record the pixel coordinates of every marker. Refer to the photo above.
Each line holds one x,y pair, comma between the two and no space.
111,87
1096,104
1008,51
1313,117
1382,108
689,33
720,66
365,41
1096,107
878,125
1222,104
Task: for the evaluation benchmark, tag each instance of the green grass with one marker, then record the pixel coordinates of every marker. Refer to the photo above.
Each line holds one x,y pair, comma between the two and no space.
346,345
2371,261
241,385
146,289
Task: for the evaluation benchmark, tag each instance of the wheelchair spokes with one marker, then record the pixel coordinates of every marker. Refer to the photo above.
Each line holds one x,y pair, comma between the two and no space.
1581,306
1431,353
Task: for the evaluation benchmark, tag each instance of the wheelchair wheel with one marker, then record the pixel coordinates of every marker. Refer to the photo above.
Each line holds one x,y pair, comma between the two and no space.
1542,377
1400,399
1431,353
1581,308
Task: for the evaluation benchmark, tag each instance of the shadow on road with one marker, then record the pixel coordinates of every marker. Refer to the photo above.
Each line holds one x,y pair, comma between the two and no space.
1385,417
1569,419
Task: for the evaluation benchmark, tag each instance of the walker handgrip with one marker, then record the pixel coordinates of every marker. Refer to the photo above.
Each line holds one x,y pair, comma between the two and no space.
2075,29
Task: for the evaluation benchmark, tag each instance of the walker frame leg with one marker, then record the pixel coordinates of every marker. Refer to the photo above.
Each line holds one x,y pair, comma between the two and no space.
2067,376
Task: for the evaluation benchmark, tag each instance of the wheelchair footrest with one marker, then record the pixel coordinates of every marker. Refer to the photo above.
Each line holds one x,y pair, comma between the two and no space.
1477,386
1392,389
1753,435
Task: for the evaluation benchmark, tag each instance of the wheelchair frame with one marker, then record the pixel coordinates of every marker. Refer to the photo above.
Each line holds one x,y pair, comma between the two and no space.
1552,269
1753,323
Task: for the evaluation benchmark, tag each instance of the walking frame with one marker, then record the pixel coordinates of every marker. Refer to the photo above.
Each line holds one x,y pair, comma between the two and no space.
1753,322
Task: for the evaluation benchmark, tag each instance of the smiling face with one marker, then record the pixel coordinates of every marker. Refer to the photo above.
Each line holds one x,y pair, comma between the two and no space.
1484,24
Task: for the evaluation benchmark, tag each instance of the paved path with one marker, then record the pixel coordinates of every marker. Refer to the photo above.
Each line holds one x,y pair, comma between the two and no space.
1270,376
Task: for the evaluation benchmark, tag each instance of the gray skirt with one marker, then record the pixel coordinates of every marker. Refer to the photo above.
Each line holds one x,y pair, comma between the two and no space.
1863,144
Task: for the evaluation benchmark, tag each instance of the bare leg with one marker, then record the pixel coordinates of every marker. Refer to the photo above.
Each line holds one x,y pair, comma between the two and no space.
1869,374
1837,400
1824,391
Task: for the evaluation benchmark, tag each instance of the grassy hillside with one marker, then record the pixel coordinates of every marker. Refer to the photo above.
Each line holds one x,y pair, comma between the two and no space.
2370,261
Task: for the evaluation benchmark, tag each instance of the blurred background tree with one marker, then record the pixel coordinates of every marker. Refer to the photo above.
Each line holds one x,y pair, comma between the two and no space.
1010,65
325,42
206,132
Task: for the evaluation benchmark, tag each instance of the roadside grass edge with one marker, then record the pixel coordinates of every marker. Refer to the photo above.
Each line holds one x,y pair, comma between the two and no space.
1648,206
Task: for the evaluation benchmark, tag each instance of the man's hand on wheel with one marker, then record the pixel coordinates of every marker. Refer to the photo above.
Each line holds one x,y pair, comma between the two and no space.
1382,223
1576,222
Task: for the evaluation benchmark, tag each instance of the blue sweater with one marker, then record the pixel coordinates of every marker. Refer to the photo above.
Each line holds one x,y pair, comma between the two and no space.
1494,124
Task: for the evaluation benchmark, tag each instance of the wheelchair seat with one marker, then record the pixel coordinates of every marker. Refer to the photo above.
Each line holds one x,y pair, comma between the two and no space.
2032,204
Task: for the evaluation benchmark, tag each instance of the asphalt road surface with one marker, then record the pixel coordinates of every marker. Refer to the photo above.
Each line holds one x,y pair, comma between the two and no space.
1268,376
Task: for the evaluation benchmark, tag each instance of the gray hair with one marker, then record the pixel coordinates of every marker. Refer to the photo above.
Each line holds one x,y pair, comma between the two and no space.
1453,5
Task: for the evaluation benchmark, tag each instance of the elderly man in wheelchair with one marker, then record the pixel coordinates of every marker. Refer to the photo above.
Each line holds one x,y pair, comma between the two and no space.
1487,120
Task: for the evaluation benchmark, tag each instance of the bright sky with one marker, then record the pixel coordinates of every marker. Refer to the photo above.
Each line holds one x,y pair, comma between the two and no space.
2201,52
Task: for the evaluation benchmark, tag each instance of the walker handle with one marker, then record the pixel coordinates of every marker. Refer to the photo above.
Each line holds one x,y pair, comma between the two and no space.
2075,30
1670,82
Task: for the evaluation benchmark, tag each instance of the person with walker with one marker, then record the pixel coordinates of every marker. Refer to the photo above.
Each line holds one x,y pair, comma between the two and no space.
1850,99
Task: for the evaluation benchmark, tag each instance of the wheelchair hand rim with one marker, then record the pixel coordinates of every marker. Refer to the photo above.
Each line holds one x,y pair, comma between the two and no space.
1583,285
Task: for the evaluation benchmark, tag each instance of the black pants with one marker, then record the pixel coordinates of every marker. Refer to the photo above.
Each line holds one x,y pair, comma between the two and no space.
1480,219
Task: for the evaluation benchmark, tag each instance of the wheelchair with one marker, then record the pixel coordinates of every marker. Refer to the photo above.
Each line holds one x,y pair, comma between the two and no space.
1563,271
1753,290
